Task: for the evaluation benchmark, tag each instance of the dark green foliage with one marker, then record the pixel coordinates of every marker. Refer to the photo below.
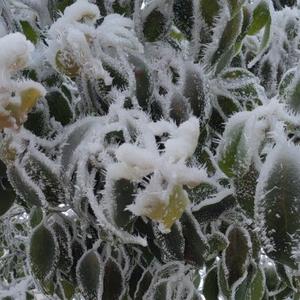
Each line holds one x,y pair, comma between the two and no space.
89,272
210,288
123,195
279,209
43,252
59,107
236,255
154,112
7,194
112,281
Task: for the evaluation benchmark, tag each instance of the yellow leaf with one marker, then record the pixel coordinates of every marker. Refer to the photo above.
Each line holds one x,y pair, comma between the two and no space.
168,213
19,111
29,98
66,64
6,121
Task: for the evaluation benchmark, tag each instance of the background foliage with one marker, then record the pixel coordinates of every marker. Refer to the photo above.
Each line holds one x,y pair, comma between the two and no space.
149,150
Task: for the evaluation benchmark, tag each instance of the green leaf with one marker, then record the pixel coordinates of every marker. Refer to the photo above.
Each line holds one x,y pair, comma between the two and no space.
123,194
292,94
272,277
36,216
286,81
135,277
277,204
196,245
210,286
228,106
143,285
225,48
119,79
68,289
44,172
260,18
284,294
194,90
89,272
7,194
245,187
77,250
75,137
179,111
144,86
211,209
56,6
160,292
113,281
114,137
217,242
222,282
64,244
59,107
122,7
43,252
236,256
232,153
155,25
171,244
24,186
209,11
29,32
183,16
38,120
235,6
241,85
257,287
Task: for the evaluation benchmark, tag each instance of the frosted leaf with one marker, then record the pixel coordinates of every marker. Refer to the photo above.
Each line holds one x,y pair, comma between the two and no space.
45,173
15,52
236,257
137,162
75,135
43,252
156,17
171,244
113,281
17,98
276,203
143,285
122,195
165,209
257,287
136,157
261,19
210,286
184,141
242,138
195,90
82,10
196,244
63,238
89,275
212,208
118,31
7,193
24,186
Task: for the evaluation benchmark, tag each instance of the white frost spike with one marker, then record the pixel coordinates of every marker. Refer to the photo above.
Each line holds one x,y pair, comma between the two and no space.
183,143
15,53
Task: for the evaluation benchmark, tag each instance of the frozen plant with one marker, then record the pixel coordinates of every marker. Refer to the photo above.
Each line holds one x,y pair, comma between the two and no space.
149,149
